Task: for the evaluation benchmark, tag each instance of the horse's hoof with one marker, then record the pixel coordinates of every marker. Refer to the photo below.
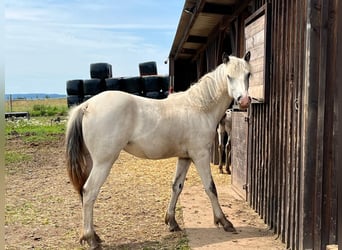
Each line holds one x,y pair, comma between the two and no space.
93,242
97,238
97,247
227,225
83,240
171,221
229,228
175,228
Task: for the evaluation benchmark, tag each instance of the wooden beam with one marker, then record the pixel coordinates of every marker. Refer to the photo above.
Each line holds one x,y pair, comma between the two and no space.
223,25
196,10
197,39
222,9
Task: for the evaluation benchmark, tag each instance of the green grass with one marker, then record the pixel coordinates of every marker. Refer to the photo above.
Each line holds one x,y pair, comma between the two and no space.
37,129
183,244
41,126
15,157
48,110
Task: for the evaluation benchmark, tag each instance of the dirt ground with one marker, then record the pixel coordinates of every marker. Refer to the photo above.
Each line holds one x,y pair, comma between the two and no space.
42,211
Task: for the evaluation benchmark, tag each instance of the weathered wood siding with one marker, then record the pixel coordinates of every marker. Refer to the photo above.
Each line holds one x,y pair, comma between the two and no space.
255,36
239,141
293,144
291,170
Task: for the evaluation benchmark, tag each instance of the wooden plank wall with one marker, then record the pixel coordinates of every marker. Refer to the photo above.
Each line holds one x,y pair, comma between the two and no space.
291,172
255,43
338,117
239,141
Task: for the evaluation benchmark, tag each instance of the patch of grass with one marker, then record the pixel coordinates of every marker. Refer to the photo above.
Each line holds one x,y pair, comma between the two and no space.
183,244
23,213
15,157
35,130
48,110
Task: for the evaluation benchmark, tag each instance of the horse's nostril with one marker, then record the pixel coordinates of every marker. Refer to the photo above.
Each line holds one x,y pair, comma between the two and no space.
239,98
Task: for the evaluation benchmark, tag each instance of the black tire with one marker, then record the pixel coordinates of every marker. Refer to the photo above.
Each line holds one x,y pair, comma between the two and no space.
113,83
153,95
93,86
164,94
165,83
87,97
74,100
74,87
165,86
132,85
148,68
151,83
100,71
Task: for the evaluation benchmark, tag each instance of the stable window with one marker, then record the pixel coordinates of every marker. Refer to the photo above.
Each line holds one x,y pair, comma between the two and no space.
257,41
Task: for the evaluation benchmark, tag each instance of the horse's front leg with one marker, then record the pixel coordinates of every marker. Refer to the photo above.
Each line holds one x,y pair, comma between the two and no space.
182,168
91,189
202,163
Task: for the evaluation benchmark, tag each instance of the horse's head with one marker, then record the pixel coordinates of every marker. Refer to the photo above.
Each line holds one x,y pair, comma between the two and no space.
238,72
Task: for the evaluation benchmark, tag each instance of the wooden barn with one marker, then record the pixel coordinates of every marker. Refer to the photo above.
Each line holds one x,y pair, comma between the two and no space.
286,152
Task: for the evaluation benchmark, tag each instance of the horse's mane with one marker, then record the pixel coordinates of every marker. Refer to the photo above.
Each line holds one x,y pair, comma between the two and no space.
205,92
210,87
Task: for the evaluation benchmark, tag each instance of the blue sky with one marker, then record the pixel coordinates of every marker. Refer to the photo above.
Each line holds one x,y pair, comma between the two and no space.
48,42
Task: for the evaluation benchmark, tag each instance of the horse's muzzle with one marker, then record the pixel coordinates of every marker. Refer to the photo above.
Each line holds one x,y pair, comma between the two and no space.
244,101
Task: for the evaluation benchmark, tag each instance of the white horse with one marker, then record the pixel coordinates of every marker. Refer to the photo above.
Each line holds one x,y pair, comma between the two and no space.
183,126
225,127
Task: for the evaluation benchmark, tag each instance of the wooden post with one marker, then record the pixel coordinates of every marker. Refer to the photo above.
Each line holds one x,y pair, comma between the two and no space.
10,99
338,125
313,126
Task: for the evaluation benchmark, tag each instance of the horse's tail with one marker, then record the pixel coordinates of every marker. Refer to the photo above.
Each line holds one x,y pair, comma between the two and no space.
76,150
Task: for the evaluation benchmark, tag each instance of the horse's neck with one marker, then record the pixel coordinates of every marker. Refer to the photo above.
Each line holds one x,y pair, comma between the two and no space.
218,111
222,99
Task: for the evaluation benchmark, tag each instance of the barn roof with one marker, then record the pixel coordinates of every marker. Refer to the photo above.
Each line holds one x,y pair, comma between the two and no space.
199,20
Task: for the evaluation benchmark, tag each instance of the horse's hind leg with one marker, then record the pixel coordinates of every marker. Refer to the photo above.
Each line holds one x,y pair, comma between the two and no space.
220,150
177,187
91,189
228,155
202,164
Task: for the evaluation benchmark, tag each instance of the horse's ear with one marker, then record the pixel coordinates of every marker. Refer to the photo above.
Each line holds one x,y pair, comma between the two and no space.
225,57
247,56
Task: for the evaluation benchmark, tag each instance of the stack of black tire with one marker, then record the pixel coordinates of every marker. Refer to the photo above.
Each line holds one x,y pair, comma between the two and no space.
74,89
154,86
99,73
148,84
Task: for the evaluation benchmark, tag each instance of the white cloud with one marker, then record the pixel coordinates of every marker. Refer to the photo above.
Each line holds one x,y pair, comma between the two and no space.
49,42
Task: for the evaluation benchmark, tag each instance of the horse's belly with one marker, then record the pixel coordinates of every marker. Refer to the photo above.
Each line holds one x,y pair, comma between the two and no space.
149,150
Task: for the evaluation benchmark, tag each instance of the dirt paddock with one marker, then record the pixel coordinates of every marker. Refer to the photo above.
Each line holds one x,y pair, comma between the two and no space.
42,211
